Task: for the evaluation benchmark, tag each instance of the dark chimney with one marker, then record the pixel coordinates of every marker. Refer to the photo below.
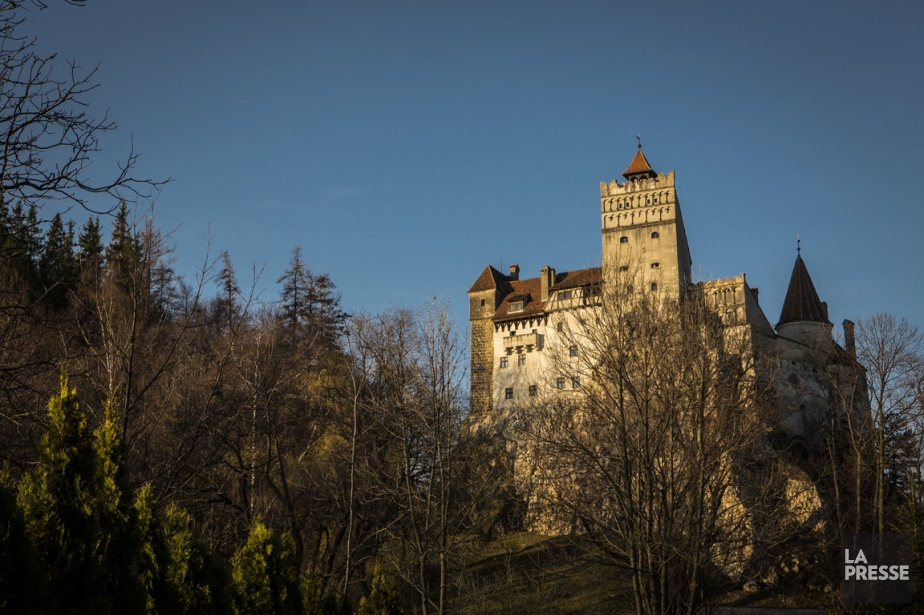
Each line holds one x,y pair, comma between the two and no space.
514,272
850,341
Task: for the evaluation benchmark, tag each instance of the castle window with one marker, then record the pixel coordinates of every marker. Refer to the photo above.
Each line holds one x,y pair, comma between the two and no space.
521,359
564,294
482,303
575,382
558,327
503,362
655,235
655,265
654,286
630,289
623,239
533,389
624,267
508,393
573,351
515,306
560,383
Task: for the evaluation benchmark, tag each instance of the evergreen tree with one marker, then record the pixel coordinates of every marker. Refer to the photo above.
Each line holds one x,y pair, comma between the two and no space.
21,247
310,304
154,558
59,500
316,600
19,589
225,305
265,574
195,577
57,265
123,254
383,599
119,540
90,243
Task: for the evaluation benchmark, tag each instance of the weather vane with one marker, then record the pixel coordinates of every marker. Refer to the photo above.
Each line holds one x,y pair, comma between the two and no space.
639,137
798,245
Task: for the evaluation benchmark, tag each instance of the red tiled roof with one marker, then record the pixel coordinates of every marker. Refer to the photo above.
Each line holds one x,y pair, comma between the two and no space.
638,166
531,289
521,288
802,302
578,277
489,278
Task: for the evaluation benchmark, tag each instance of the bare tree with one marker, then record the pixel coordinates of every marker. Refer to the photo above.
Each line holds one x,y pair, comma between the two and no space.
48,139
645,452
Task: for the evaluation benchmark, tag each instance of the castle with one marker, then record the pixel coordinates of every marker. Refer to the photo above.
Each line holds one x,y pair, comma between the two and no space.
515,321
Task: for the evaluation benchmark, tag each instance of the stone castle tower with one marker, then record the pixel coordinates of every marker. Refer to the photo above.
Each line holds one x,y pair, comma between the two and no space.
643,230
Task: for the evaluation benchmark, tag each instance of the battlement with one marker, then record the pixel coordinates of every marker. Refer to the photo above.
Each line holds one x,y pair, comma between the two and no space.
614,188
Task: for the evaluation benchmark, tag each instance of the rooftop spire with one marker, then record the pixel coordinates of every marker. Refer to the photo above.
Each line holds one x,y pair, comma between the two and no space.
639,166
802,302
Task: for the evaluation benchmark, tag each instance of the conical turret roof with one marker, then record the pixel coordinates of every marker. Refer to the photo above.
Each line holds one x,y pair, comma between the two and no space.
639,166
802,302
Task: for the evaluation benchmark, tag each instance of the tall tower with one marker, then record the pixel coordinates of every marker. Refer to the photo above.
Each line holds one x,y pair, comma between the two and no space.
644,242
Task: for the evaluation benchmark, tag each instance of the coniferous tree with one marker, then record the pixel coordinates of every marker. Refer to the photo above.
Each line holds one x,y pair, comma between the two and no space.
90,243
59,500
57,265
225,305
310,303
22,247
383,599
265,574
195,577
123,254
120,539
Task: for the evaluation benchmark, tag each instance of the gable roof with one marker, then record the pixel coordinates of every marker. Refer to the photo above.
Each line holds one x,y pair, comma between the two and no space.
802,302
489,279
578,277
639,166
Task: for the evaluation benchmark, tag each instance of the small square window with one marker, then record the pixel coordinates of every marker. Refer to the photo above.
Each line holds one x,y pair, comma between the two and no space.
575,382
508,393
503,362
533,390
655,235
573,351
654,286
623,239
655,265
560,383
521,359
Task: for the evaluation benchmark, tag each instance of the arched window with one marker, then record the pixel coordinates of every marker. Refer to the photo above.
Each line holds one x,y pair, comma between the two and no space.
623,239
655,235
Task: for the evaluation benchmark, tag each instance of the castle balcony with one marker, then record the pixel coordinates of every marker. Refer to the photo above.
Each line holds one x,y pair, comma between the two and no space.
527,342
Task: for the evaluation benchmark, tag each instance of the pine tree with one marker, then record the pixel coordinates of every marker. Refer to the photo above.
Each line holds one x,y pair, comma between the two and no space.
196,579
225,305
59,500
265,574
90,243
57,265
123,254
21,248
310,304
120,539
316,600
383,599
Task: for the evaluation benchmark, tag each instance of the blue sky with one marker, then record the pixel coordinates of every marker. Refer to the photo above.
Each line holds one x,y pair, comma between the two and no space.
405,145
